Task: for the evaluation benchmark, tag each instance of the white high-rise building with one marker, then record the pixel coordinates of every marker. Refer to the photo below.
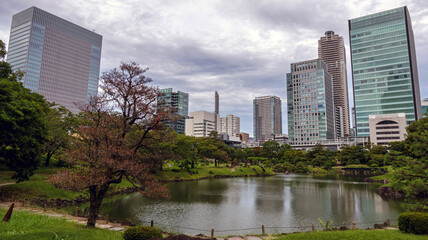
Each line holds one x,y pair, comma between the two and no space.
230,125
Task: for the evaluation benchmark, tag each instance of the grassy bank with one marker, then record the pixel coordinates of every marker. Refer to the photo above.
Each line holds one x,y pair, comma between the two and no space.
354,235
172,174
30,226
36,187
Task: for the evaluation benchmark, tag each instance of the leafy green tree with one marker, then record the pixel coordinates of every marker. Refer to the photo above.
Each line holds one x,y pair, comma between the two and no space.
270,149
187,148
376,156
282,149
239,156
22,123
257,151
248,153
301,167
412,178
352,155
60,122
293,156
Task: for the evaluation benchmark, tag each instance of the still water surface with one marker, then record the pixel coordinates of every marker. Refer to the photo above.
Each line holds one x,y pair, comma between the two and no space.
282,203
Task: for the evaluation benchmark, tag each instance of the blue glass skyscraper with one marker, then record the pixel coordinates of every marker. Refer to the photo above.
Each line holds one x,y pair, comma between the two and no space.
384,67
179,104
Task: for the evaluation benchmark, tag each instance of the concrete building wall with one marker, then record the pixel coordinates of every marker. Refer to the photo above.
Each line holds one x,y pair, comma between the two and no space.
201,123
386,128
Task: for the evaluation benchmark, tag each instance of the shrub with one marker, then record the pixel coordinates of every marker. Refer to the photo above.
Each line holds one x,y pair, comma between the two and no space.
175,170
210,172
141,233
413,222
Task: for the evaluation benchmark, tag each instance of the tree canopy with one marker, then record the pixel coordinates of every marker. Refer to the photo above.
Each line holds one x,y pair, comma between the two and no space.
22,123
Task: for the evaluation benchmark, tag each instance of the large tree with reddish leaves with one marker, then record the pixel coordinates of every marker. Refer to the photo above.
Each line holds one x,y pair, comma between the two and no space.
112,131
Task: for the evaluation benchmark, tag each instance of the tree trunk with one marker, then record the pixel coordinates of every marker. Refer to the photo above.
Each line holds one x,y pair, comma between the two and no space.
246,162
96,197
215,162
48,158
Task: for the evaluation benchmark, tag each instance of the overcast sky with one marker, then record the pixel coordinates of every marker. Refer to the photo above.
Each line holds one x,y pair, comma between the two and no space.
242,49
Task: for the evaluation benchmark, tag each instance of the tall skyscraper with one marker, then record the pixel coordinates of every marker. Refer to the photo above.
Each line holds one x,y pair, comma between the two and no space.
61,60
331,50
179,104
310,103
230,125
267,118
384,68
216,110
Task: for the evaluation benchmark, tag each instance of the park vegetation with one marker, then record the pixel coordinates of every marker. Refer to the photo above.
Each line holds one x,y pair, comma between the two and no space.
120,136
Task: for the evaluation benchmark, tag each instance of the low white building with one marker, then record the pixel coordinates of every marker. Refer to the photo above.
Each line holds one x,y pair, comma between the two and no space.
386,128
201,123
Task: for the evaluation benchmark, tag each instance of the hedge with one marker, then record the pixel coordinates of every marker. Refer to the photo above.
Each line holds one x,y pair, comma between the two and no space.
141,233
413,222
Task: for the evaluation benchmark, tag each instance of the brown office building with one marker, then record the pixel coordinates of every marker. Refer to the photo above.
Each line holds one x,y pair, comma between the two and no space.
331,50
267,117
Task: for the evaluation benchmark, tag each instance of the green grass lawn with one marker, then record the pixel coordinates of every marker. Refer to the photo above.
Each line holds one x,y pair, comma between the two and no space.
30,226
354,235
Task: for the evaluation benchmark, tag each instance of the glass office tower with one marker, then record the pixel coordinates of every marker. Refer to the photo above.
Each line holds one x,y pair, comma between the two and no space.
179,104
310,105
384,68
61,60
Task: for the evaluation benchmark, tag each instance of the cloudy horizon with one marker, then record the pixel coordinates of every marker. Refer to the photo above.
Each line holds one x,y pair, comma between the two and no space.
242,49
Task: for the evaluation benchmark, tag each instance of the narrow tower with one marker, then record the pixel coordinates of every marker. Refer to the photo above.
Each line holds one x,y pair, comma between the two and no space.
331,50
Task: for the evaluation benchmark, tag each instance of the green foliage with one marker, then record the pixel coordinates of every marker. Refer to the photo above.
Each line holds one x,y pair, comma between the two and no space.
352,155
23,128
283,167
301,167
413,222
326,226
257,160
60,122
270,149
411,166
141,233
352,235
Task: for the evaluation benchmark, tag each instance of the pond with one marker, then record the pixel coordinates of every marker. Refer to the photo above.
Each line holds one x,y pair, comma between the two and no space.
282,203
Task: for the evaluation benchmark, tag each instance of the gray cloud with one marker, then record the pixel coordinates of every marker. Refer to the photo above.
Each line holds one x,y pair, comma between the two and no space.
241,48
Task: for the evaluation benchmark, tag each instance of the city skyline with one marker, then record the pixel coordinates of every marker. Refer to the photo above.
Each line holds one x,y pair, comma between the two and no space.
241,50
